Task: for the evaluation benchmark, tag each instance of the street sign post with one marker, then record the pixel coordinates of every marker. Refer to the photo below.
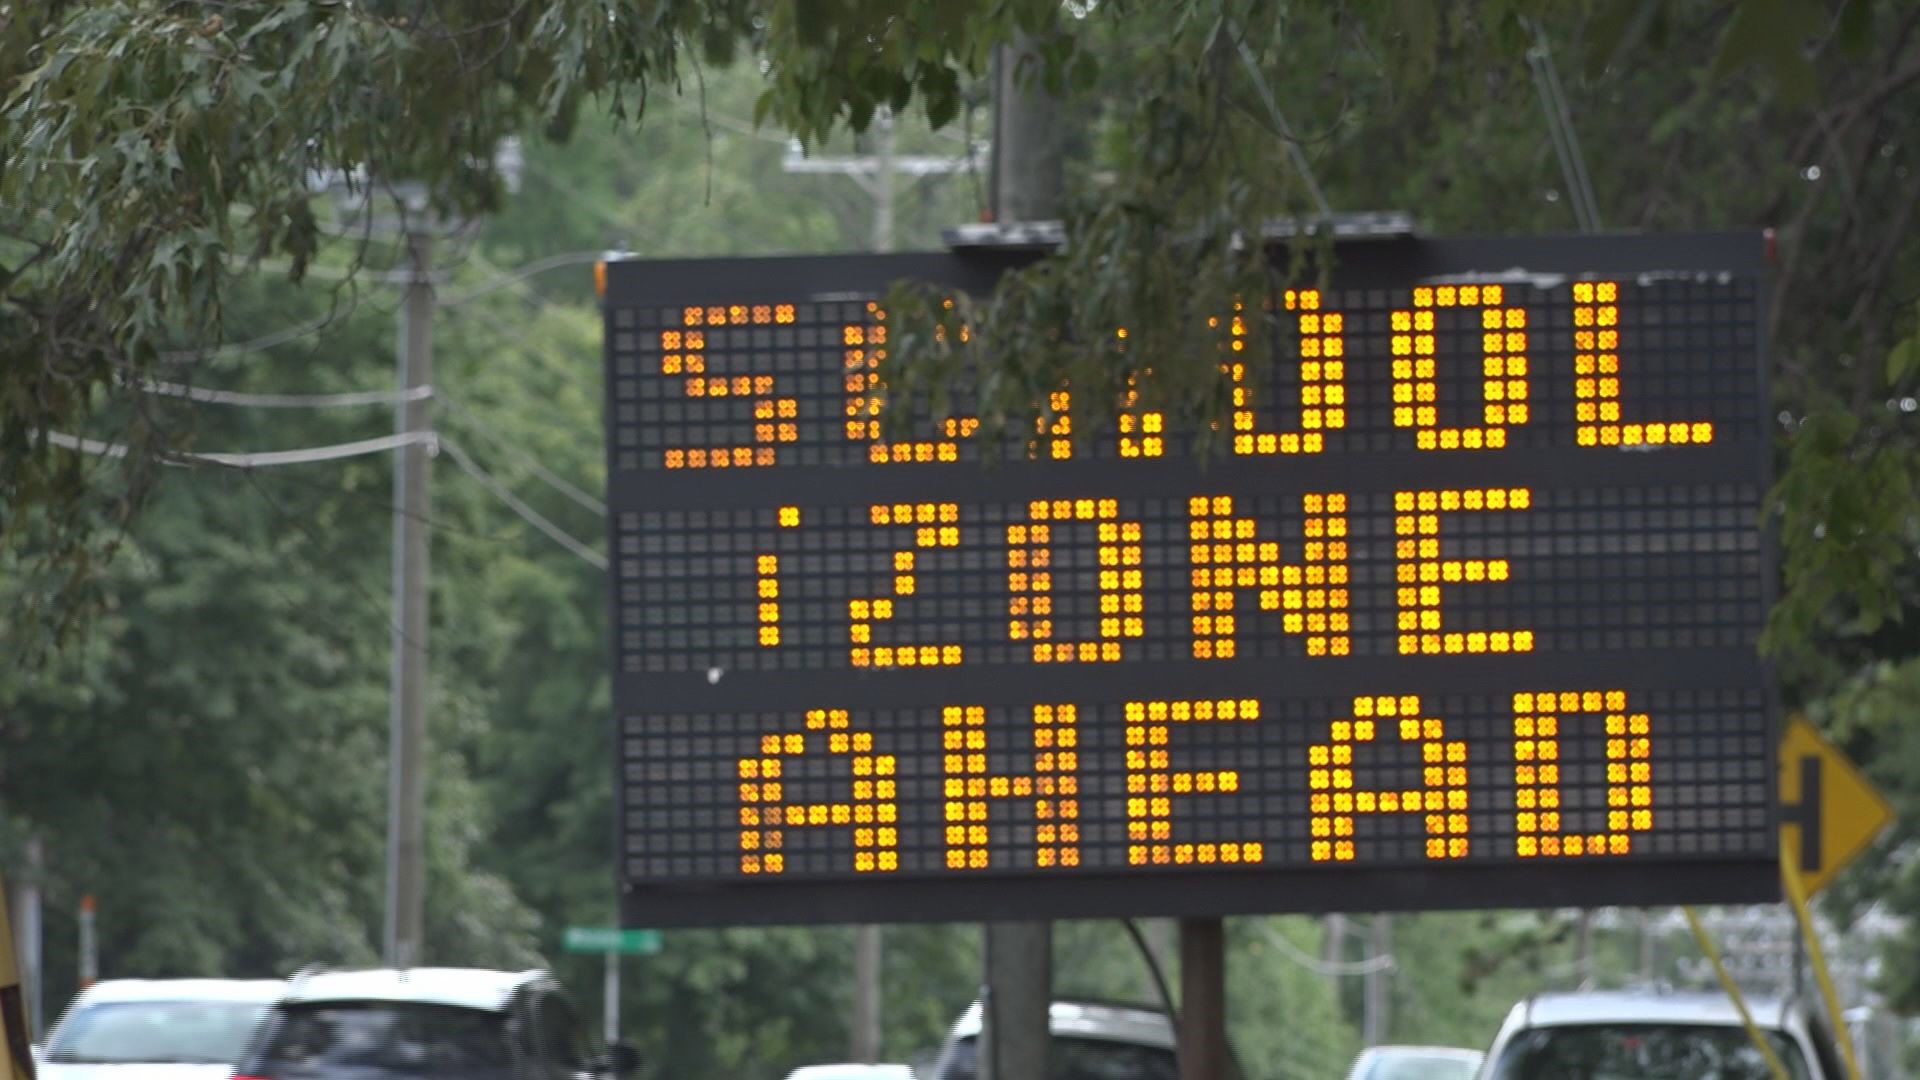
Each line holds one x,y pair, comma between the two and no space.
614,943
1829,811
1461,613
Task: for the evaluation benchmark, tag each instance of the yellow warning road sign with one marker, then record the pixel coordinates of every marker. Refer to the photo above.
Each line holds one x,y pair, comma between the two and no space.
1829,812
13,1004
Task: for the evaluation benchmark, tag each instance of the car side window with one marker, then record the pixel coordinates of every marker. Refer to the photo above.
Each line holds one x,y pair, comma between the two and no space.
557,1037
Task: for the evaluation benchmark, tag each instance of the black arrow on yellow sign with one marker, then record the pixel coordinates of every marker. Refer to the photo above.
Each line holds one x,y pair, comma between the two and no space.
1829,812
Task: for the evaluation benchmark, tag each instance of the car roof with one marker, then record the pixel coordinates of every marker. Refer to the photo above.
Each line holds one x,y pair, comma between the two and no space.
852,1071
471,988
1454,1053
1138,1024
1651,1007
111,990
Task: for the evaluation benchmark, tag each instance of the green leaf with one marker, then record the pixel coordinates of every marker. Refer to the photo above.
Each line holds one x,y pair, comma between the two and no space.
1903,360
1772,33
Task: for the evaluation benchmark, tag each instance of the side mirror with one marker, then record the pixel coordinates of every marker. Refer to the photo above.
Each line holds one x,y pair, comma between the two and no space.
619,1060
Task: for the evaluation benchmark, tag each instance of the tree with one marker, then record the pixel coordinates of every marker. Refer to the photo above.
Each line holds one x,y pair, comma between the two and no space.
155,149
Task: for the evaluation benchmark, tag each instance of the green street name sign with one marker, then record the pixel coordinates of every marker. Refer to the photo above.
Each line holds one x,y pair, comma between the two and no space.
595,939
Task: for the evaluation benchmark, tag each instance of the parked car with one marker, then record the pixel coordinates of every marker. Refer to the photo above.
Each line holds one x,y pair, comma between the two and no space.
426,1024
1658,1035
1416,1063
1091,1041
852,1071
181,1029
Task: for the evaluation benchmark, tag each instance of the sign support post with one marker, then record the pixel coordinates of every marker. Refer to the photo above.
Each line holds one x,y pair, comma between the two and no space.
612,998
1203,1000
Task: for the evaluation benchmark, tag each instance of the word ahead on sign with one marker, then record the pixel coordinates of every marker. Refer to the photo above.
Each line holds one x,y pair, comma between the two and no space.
1463,614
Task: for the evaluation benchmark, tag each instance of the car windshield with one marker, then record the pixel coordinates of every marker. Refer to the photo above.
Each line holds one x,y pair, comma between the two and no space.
1080,1059
388,1041
156,1032
1644,1052
1419,1067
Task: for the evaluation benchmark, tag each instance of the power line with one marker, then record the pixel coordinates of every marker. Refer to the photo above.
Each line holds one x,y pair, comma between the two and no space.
260,460
527,513
531,463
1566,143
286,401
538,266
1382,962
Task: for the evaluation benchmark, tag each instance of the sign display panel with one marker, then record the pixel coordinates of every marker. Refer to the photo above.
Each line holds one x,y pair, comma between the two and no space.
1461,612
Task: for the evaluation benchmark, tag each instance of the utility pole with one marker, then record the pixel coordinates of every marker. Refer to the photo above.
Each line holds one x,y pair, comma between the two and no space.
883,184
1377,988
406,805
877,173
1646,946
24,895
1017,1000
1333,944
1583,946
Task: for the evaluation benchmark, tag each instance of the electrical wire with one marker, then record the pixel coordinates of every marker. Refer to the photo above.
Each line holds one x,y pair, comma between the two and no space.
538,266
527,513
527,460
286,401
258,460
571,191
1329,969
1566,144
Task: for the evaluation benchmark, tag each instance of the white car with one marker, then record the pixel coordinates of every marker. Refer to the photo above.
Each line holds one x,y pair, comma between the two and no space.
1415,1063
1658,1035
164,1029
852,1071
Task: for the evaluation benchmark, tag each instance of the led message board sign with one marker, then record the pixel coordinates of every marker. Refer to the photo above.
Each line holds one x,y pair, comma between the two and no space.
1462,614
